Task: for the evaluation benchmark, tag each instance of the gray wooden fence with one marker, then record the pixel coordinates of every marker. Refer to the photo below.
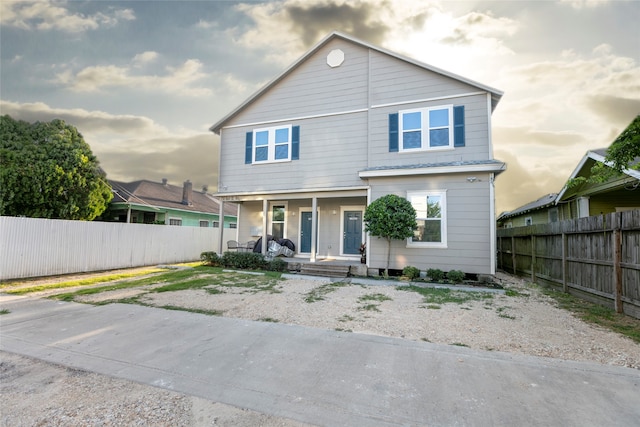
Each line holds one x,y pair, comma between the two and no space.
596,258
32,247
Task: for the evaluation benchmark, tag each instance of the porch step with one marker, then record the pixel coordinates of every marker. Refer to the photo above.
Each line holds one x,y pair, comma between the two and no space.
325,270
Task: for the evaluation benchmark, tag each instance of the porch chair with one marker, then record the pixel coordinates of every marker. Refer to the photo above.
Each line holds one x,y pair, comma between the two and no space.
232,245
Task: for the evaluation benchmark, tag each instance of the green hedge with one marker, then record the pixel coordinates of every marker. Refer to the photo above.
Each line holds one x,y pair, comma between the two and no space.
243,261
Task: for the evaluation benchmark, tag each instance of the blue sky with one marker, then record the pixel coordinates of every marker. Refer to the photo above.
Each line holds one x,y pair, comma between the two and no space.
144,80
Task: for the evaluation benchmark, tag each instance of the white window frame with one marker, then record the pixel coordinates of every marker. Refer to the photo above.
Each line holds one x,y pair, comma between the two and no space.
424,129
443,218
175,219
528,221
271,144
284,223
203,221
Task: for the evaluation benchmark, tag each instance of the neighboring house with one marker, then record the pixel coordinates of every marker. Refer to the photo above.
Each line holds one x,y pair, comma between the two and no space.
151,202
542,211
348,123
617,194
620,193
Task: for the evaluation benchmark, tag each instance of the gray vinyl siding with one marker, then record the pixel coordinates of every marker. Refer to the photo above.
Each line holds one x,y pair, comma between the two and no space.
315,88
331,154
468,225
476,135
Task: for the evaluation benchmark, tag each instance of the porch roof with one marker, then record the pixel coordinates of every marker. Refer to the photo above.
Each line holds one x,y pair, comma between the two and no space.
293,194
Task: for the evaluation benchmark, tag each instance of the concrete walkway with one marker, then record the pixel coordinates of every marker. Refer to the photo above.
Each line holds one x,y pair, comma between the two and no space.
319,376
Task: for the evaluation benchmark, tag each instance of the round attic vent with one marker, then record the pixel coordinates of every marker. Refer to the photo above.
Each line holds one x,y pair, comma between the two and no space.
335,58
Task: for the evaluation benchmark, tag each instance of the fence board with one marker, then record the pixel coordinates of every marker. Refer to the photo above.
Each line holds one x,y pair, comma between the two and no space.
596,255
31,247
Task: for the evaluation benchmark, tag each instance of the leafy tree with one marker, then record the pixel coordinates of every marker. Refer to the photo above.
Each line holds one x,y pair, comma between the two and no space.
390,217
621,155
48,171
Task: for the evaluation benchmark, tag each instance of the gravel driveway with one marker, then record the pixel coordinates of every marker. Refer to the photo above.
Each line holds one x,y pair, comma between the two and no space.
524,321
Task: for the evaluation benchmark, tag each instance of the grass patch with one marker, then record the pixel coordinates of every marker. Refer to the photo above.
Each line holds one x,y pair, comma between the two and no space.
75,283
191,310
597,314
346,318
374,297
433,307
514,293
459,344
5,311
441,296
268,319
318,294
343,330
369,307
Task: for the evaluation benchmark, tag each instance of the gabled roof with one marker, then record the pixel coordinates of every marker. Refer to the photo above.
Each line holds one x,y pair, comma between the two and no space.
543,202
161,195
599,156
495,93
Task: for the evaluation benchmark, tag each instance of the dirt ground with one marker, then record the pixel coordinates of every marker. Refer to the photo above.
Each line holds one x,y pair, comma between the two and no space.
35,393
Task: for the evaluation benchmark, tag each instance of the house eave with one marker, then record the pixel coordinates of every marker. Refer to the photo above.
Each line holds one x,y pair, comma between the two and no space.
433,170
163,208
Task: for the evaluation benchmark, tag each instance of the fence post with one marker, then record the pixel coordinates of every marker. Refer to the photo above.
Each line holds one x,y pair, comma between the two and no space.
565,250
533,258
513,254
617,269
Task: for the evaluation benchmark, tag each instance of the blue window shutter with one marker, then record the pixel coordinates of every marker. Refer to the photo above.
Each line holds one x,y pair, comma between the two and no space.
248,149
295,142
458,126
393,132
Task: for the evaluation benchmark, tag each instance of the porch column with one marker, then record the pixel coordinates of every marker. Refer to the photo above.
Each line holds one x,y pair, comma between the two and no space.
314,222
129,214
265,212
221,226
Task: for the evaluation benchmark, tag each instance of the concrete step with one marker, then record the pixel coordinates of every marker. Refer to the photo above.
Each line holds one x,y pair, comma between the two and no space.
325,270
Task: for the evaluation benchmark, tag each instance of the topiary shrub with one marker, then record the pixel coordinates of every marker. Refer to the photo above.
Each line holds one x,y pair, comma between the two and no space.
435,274
411,273
243,260
455,276
211,258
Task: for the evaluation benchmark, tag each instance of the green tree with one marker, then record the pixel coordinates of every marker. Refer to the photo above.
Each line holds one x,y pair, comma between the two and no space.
392,218
48,171
623,153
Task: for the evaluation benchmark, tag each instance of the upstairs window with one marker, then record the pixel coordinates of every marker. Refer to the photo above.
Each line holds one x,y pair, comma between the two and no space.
273,144
433,128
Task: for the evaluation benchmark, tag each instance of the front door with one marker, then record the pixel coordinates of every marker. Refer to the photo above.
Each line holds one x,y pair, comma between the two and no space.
352,238
305,232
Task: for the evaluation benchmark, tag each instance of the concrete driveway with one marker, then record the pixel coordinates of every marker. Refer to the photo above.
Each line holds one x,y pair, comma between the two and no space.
316,376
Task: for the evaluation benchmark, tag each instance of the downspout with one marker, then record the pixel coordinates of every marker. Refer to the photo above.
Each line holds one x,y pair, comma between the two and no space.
492,225
265,212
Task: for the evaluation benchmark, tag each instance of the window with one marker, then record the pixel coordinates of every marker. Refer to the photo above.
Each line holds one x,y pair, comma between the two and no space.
553,215
216,224
204,223
431,218
175,221
233,225
273,144
278,221
528,221
431,128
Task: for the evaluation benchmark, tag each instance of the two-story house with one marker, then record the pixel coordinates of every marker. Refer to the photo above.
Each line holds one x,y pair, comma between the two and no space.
348,123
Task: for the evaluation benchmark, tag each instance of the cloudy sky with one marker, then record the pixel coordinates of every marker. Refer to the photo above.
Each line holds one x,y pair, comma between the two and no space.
144,80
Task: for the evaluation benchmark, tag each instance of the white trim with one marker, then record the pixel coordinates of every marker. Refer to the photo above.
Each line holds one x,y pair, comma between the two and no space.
343,209
310,210
425,128
492,225
432,170
292,119
302,193
489,126
443,218
271,144
436,98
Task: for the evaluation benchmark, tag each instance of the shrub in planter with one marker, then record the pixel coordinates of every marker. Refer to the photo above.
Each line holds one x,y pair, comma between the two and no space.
435,274
455,276
411,273
277,264
211,258
243,260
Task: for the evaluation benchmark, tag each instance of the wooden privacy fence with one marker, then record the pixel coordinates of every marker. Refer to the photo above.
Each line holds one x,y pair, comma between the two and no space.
596,258
31,247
